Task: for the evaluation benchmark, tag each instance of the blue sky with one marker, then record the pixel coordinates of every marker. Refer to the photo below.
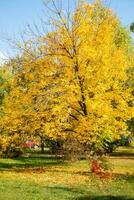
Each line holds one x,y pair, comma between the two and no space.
16,14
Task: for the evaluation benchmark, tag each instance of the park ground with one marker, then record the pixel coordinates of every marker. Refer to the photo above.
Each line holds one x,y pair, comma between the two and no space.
50,178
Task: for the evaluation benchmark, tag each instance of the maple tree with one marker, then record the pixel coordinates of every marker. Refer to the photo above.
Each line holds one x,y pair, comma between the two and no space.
93,54
75,89
5,88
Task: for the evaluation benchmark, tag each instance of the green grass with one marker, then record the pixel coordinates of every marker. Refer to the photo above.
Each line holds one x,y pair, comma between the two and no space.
39,178
27,163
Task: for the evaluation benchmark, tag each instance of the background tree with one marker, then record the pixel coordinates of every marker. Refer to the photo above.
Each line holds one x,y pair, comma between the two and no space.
132,27
5,89
28,108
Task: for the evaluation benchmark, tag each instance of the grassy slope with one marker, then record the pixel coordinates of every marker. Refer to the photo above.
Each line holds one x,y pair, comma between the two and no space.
51,179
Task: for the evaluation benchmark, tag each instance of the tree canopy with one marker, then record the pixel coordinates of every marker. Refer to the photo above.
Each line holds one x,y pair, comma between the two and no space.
74,87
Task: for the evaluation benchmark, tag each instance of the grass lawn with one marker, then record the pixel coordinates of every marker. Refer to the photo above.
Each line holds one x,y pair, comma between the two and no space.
51,179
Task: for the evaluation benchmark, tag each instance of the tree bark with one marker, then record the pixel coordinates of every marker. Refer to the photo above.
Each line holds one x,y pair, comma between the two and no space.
42,145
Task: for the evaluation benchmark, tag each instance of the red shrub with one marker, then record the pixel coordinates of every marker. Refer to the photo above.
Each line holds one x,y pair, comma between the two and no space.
95,167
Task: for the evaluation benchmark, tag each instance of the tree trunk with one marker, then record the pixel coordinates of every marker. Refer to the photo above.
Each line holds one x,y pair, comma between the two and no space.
42,145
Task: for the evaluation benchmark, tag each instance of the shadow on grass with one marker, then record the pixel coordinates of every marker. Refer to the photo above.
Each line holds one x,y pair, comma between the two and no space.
104,198
25,163
124,153
81,194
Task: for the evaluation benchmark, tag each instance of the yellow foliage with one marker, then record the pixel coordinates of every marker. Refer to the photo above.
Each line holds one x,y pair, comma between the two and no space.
76,89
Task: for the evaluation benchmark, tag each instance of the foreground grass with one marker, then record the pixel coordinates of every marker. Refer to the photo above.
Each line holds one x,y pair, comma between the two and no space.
51,179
